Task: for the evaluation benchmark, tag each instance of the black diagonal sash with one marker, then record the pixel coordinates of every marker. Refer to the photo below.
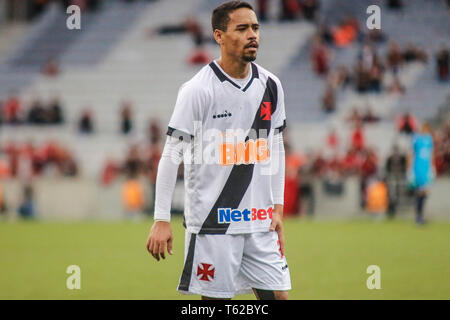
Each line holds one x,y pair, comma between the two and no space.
241,175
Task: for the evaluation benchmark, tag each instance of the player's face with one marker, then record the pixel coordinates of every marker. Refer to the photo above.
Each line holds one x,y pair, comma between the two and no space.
241,40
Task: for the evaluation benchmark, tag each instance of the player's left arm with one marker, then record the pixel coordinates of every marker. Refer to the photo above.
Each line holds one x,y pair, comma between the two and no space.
278,167
277,181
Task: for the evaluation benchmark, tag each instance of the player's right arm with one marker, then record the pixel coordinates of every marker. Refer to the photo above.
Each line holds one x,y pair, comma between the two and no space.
161,232
181,131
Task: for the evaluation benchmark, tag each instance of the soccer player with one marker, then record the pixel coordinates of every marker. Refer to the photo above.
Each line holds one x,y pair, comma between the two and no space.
422,169
227,127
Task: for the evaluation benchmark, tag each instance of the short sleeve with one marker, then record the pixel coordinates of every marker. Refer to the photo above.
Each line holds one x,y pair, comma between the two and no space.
279,116
187,111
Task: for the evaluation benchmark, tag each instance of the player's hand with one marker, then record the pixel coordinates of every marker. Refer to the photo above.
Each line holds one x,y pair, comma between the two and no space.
160,235
277,225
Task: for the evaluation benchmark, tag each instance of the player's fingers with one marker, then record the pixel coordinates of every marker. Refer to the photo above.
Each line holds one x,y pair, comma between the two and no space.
162,248
150,245
169,245
155,250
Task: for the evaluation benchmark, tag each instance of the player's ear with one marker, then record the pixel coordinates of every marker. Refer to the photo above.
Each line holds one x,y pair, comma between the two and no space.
218,36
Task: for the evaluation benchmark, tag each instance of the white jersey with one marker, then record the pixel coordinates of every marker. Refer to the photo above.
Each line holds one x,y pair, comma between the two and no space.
230,129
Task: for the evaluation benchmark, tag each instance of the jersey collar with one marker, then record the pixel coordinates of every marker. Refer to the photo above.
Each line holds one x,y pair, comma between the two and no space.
223,77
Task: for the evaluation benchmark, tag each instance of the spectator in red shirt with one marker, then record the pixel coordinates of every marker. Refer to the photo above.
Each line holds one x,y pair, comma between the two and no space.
319,165
320,57
369,164
109,172
290,10
12,109
262,10
333,140
154,131
13,152
358,140
352,161
200,56
335,164
292,186
368,170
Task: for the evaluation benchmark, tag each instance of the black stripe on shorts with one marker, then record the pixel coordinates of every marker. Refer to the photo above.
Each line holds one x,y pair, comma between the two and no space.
185,280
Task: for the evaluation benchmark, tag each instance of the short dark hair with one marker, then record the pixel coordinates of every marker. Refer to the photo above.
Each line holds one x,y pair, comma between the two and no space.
220,16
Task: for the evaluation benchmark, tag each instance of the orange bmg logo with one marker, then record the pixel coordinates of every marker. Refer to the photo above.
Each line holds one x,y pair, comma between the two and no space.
247,152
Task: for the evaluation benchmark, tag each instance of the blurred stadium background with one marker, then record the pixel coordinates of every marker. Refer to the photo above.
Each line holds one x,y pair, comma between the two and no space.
83,115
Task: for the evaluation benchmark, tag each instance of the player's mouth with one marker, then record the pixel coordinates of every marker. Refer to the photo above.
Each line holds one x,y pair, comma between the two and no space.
252,46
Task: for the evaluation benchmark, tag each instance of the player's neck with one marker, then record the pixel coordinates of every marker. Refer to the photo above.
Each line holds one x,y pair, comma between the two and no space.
235,69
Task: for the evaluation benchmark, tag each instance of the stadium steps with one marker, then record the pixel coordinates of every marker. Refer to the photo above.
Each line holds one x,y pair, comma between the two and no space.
10,78
303,87
130,70
10,35
103,33
134,70
423,94
49,38
431,25
430,22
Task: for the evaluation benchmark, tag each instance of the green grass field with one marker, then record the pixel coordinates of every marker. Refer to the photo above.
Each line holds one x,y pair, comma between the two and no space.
327,260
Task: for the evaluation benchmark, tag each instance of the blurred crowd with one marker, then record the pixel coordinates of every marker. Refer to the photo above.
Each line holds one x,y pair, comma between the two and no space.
28,160
368,74
442,150
14,112
376,69
328,166
139,168
141,159
289,10
382,182
369,70
86,123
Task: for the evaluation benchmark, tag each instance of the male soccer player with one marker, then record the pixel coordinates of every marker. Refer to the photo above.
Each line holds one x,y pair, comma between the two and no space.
422,168
229,118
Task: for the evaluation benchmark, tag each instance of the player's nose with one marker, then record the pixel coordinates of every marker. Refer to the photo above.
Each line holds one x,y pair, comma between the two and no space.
252,35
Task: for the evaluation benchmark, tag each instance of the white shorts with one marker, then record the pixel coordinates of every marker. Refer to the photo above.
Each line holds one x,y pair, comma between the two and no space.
221,266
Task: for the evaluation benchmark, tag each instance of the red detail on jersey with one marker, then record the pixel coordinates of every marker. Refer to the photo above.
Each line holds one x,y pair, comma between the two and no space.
266,110
205,271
